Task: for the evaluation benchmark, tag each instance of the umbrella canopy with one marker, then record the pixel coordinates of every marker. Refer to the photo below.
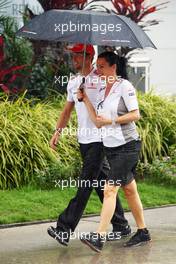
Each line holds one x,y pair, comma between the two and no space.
89,27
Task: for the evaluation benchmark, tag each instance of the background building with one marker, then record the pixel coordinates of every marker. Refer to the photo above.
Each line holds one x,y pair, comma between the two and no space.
163,60
15,8
163,68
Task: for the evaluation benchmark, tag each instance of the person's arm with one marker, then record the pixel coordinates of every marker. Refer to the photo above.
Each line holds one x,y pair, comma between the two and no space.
124,119
129,117
131,102
61,123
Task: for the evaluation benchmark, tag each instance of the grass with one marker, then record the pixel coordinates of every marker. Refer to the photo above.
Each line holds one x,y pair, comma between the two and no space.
29,204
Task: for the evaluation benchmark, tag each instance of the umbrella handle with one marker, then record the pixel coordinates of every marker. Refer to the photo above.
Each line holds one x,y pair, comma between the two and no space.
81,88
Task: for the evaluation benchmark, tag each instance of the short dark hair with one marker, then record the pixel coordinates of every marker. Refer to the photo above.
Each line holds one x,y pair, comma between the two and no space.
120,61
109,56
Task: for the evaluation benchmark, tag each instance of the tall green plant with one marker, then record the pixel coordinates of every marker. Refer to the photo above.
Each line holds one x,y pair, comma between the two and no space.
15,55
26,127
157,125
18,51
25,130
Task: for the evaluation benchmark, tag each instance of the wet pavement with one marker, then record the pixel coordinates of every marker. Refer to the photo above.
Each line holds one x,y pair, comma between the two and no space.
32,245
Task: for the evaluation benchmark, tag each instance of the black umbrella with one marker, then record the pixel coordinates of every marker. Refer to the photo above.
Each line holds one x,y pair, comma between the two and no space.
89,27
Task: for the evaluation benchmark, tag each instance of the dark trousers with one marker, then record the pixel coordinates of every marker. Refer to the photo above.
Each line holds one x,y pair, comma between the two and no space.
94,168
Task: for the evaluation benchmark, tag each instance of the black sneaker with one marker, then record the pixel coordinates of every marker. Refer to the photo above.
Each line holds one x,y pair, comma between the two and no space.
94,240
118,234
142,236
59,234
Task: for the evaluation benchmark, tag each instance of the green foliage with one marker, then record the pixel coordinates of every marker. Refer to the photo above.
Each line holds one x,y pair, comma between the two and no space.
39,84
23,140
18,51
43,78
17,57
157,126
25,129
67,166
39,71
162,171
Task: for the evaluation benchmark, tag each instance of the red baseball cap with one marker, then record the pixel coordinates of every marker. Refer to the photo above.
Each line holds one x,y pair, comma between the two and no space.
80,48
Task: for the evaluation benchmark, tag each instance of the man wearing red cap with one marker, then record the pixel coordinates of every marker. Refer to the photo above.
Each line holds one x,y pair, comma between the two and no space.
80,48
94,166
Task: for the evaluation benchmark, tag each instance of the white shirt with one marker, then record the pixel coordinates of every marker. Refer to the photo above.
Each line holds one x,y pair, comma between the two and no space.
87,131
120,100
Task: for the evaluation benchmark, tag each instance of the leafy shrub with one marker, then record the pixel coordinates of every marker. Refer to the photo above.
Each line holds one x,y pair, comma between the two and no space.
157,126
162,171
15,58
40,64
40,83
26,127
25,130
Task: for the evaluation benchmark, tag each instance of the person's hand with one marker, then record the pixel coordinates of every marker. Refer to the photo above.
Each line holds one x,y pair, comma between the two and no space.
54,140
103,121
81,95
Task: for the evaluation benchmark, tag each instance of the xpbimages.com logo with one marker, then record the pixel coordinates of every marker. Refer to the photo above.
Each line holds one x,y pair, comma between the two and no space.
79,27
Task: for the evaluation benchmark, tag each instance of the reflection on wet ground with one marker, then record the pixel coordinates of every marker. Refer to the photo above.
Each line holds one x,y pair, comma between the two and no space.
31,245
160,250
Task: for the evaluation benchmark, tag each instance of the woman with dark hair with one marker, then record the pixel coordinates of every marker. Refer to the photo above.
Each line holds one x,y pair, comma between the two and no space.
116,113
